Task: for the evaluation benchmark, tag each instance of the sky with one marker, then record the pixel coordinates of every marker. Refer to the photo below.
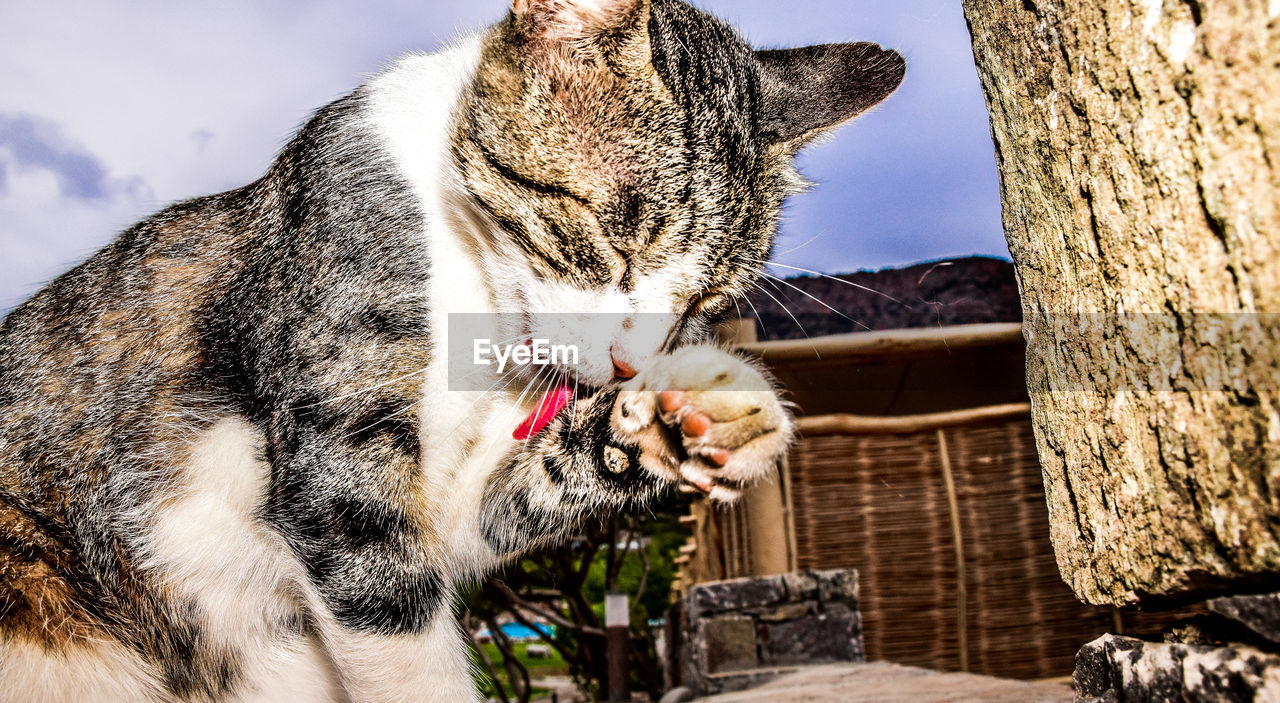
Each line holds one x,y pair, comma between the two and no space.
109,110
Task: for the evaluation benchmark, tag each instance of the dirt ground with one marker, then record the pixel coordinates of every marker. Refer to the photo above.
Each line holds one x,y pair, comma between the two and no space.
892,683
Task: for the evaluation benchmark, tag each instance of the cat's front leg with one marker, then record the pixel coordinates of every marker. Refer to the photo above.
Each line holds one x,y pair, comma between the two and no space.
429,666
706,418
347,497
699,415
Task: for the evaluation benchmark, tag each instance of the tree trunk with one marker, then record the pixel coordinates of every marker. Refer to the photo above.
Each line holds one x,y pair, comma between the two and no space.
1138,144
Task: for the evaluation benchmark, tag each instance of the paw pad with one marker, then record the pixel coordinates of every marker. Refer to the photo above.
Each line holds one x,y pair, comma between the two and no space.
616,461
717,424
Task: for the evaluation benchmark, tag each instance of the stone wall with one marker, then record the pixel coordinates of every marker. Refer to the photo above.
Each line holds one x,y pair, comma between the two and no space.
1230,655
739,633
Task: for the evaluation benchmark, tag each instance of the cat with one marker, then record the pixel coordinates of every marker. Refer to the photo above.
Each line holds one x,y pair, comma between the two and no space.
232,466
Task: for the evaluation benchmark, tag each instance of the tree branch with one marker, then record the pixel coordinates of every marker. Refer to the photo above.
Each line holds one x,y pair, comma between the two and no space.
485,662
556,619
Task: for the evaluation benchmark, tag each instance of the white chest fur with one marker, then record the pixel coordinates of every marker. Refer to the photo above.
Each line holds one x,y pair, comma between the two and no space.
464,433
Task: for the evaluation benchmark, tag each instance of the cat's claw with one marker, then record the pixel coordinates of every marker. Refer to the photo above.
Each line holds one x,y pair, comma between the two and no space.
705,418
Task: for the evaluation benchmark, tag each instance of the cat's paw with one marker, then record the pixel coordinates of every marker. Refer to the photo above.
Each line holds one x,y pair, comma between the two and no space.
706,418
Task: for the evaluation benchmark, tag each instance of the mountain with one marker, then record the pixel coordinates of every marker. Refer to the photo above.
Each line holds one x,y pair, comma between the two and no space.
939,293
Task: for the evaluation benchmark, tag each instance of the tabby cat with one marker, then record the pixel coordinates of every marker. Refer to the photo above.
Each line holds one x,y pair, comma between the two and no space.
232,466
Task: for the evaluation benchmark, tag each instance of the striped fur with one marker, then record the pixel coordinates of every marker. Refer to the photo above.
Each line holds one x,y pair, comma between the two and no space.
231,466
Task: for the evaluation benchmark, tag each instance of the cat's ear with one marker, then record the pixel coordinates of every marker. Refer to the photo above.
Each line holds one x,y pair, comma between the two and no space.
617,27
814,88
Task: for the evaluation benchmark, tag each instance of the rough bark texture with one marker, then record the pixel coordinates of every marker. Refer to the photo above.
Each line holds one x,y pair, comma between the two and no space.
1139,152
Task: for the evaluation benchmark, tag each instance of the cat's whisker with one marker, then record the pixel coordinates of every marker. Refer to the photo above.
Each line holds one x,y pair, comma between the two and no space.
529,386
780,304
541,394
759,319
815,299
542,397
811,272
408,408
505,379
935,267
513,412
509,375
807,242
793,318
770,282
569,439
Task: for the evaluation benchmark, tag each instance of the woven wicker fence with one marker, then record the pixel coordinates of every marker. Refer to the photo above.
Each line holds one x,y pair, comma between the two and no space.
949,530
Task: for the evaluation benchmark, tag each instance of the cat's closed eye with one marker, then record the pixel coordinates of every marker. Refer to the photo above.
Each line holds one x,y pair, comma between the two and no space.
711,303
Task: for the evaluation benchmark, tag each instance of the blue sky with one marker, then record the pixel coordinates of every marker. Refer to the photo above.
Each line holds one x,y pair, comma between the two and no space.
109,110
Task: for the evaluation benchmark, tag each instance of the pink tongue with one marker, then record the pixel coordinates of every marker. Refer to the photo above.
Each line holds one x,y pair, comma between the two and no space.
552,402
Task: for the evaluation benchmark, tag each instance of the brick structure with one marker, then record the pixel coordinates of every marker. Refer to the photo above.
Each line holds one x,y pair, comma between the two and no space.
742,632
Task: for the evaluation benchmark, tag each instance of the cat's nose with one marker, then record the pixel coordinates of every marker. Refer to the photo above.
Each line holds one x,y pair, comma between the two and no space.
621,369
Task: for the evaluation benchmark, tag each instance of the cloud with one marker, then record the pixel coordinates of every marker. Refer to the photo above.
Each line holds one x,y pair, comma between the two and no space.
38,143
58,203
113,87
202,137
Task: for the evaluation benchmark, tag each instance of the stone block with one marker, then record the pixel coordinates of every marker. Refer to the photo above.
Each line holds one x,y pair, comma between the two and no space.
839,585
1259,613
800,585
746,629
729,644
823,638
788,611
735,595
1115,668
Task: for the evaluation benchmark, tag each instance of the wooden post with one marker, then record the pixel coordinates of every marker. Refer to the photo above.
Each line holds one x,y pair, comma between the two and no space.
957,540
617,620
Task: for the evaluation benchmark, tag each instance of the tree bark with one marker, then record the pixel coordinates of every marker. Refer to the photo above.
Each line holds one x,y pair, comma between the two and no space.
1138,144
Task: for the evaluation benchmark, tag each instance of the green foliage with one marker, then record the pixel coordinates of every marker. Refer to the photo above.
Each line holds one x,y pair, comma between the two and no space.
537,668
661,541
569,583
